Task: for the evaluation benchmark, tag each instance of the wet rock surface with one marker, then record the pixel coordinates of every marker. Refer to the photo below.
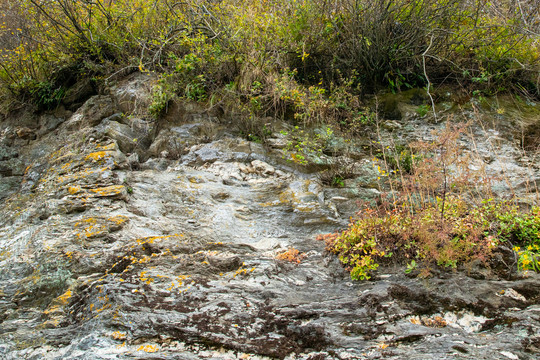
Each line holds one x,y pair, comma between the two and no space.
112,249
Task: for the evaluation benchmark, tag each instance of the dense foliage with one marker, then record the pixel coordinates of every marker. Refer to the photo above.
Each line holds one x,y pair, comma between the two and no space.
462,235
305,58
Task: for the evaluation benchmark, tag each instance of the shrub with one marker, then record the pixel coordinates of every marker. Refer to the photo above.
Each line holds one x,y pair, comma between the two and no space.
464,234
161,96
311,59
438,214
304,146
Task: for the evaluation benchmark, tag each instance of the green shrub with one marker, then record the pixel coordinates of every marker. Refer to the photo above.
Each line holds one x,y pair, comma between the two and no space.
305,146
161,96
312,59
398,158
466,233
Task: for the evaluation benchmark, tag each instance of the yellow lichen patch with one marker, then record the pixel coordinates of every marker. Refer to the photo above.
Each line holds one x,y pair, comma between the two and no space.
109,191
58,153
64,298
270,203
305,207
117,335
5,253
434,322
242,270
148,348
92,232
98,155
109,147
50,323
196,179
145,259
52,309
58,158
58,303
151,239
149,276
103,303
287,197
118,219
94,227
116,315
72,190
85,221
178,282
106,306
86,173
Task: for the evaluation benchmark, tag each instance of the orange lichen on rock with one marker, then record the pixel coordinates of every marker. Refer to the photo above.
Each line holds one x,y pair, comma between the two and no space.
96,156
117,222
58,158
117,335
151,239
72,190
148,348
58,303
63,299
434,322
89,220
95,227
83,174
109,147
110,191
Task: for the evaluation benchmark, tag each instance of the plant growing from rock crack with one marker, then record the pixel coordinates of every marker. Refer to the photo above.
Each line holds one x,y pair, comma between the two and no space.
305,146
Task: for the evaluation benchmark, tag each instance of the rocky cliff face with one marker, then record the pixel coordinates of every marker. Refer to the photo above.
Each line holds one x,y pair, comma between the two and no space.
122,238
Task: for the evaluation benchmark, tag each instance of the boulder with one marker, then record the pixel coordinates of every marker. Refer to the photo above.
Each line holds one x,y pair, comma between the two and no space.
262,167
91,113
126,138
134,93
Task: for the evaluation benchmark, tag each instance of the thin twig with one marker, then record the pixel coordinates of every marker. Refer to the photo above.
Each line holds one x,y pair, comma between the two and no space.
427,78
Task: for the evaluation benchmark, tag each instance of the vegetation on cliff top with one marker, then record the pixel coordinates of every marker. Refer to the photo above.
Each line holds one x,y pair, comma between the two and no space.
310,59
